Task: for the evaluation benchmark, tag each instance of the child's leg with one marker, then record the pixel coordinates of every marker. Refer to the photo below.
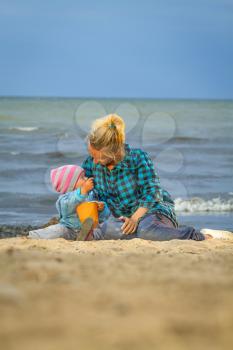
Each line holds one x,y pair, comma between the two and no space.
52,232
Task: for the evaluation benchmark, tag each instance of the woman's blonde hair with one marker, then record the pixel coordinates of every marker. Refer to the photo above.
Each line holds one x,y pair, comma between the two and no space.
108,135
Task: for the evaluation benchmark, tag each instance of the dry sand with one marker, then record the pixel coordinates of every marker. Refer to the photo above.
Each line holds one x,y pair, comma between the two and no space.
136,294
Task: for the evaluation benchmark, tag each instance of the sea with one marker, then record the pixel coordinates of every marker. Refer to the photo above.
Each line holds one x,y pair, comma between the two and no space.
189,141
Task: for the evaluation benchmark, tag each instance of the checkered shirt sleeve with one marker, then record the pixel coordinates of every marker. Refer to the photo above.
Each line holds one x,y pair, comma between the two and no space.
148,182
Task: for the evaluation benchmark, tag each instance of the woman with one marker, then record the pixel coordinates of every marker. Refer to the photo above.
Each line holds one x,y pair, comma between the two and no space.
125,179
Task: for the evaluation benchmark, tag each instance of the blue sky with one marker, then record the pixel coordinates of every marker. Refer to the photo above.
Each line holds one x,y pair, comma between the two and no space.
124,48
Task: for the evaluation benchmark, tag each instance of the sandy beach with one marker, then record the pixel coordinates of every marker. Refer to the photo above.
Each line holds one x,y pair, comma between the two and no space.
116,294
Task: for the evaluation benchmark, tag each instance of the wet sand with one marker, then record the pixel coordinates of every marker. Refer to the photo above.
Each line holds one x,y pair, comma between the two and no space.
136,294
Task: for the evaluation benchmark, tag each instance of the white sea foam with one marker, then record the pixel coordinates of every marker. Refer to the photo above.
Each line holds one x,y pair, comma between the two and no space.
25,128
14,153
197,204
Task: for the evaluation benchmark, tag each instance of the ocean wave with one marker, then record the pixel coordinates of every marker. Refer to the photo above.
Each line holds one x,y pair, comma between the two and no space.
25,171
184,139
14,200
197,204
25,128
15,153
43,155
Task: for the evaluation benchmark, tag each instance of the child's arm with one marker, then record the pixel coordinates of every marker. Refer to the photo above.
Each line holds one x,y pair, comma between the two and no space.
69,201
76,197
87,186
104,213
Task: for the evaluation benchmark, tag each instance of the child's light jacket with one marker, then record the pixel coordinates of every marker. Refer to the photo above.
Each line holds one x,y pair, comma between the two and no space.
67,203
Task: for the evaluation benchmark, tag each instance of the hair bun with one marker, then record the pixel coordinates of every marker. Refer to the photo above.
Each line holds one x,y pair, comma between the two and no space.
112,126
108,133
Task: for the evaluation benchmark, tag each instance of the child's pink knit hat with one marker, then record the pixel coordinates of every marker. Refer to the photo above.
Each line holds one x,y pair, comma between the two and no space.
65,177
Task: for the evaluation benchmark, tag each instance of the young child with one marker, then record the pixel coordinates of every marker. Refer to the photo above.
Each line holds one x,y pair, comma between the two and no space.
75,188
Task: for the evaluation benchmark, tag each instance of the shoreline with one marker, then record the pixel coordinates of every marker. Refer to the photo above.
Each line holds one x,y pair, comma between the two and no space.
12,231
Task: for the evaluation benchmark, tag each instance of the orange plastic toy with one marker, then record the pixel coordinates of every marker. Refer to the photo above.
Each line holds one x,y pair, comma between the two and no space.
88,210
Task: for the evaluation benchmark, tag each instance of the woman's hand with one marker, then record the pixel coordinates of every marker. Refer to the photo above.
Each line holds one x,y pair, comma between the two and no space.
87,186
130,225
100,206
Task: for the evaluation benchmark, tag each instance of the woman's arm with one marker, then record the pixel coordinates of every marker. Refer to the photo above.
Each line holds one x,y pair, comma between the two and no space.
149,192
139,213
130,224
105,213
148,182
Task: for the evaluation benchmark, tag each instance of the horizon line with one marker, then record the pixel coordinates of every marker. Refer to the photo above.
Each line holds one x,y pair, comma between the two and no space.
116,98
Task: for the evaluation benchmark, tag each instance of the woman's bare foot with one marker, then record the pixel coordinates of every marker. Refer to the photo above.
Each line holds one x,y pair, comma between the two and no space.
217,234
208,236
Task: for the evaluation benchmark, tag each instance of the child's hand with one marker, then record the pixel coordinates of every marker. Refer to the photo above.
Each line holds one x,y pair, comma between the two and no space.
100,206
87,186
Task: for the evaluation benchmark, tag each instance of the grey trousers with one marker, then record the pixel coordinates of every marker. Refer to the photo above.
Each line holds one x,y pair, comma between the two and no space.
61,231
154,227
53,232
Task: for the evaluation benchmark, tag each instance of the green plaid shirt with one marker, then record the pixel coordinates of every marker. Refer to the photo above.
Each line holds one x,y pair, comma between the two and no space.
131,184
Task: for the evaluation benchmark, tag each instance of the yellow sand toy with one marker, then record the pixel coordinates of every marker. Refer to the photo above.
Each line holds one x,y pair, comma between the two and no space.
88,210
